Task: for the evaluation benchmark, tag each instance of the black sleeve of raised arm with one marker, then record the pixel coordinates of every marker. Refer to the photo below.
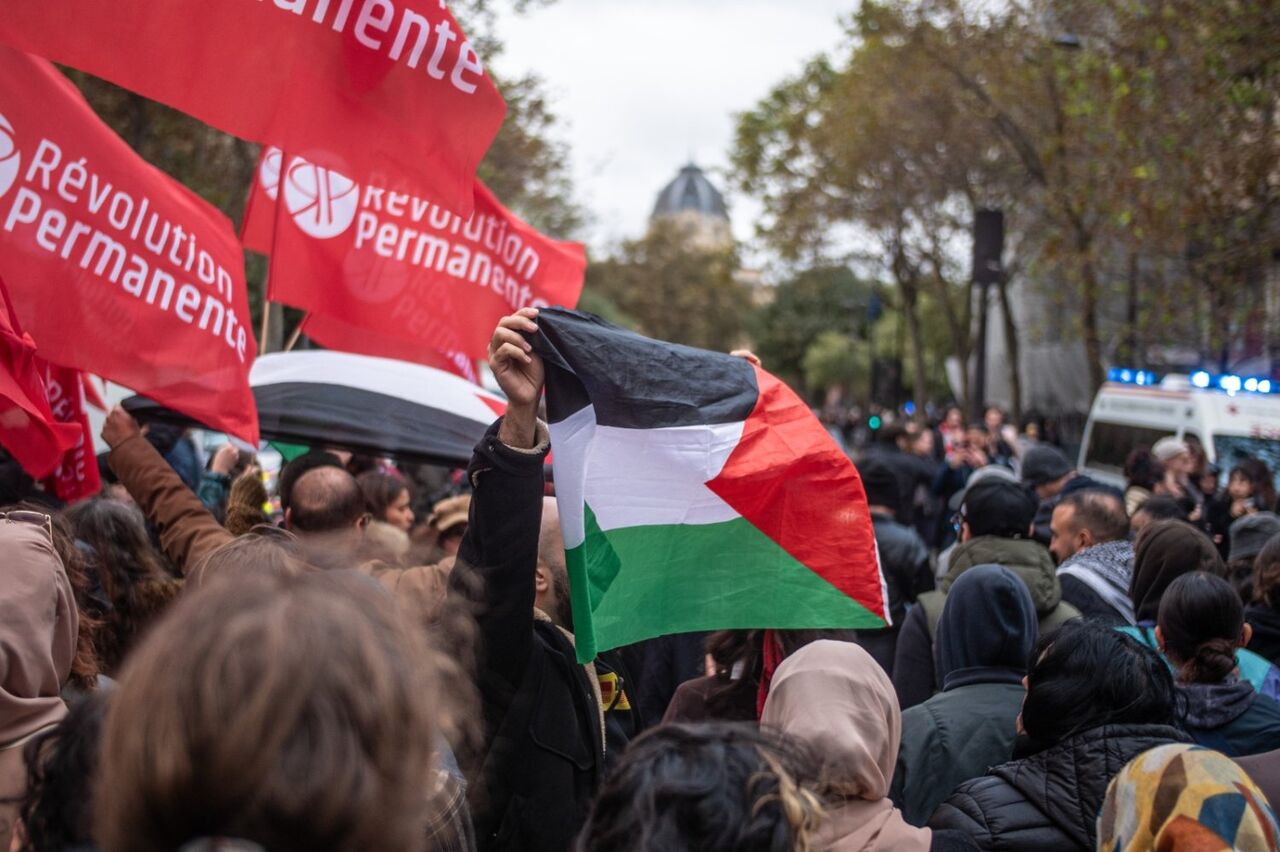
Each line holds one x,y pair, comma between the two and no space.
913,671
494,573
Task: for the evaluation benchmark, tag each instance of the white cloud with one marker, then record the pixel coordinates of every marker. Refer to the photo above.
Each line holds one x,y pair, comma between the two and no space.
642,87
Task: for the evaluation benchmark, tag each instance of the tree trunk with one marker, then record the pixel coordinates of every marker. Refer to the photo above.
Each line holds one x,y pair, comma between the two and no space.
1011,344
1133,356
907,278
910,300
1089,320
959,325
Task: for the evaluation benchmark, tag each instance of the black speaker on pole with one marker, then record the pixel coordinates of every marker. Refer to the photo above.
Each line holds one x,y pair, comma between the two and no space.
988,246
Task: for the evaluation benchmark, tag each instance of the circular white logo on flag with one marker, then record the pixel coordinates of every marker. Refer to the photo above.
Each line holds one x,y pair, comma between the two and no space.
10,156
322,202
269,172
374,279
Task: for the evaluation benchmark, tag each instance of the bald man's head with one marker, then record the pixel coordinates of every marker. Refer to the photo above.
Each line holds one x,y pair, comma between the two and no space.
325,499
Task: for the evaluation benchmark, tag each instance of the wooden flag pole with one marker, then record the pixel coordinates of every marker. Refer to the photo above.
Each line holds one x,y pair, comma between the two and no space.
262,332
297,332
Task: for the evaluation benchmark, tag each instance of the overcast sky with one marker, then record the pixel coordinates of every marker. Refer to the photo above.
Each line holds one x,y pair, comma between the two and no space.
644,86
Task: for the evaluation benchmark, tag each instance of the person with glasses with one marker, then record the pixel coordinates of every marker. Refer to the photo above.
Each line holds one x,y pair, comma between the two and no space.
39,626
994,521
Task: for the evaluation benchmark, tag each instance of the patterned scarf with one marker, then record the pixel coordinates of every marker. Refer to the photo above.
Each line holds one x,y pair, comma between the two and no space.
1187,798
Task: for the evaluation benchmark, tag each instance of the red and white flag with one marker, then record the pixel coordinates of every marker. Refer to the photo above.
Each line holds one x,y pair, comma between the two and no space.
114,266
28,428
76,476
366,87
390,273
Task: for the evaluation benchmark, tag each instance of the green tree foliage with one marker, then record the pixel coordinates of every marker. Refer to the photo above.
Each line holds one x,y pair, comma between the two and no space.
834,360
814,301
674,288
527,165
854,146
1133,147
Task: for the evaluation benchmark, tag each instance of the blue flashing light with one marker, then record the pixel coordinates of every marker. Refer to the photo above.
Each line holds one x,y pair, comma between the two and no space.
1127,376
909,409
1229,383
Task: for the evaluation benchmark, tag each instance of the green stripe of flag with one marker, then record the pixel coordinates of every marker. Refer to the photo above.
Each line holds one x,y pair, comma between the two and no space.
694,577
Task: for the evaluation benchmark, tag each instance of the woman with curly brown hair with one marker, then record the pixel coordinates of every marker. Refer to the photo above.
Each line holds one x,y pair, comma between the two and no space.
135,588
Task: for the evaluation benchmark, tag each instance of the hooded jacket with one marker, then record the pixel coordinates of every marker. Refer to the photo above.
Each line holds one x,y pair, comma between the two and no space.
1265,621
38,629
1051,800
985,635
1230,717
914,675
836,697
1096,581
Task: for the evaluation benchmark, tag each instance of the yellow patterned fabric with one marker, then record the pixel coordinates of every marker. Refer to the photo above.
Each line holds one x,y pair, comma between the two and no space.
1182,798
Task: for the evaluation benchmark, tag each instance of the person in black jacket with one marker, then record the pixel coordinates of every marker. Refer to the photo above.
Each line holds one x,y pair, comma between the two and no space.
1095,700
1200,626
903,558
541,756
1263,614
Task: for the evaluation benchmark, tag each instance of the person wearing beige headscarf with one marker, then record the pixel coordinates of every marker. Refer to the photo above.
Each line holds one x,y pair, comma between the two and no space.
836,697
38,624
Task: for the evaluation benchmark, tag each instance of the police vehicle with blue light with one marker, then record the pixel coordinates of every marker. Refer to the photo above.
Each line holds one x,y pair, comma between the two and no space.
1231,416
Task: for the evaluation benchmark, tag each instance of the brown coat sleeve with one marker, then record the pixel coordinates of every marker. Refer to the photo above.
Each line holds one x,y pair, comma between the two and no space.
187,530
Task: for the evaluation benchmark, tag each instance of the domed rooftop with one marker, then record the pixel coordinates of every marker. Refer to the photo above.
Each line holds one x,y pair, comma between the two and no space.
690,192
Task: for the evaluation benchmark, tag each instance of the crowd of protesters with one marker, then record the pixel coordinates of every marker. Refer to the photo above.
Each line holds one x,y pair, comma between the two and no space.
198,664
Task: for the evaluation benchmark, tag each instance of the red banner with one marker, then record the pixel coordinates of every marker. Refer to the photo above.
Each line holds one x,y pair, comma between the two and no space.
335,334
396,266
113,266
28,428
76,477
367,87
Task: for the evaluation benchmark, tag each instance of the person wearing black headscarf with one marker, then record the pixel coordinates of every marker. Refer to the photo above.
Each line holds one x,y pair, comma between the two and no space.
1165,551
986,633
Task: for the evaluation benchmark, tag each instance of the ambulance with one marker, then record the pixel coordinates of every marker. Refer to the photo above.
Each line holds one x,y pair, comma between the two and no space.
1230,416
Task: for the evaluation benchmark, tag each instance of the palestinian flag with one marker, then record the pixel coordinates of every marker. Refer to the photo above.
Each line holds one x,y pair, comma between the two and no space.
697,492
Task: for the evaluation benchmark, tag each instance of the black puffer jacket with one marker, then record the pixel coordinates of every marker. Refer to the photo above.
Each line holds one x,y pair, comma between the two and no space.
1050,800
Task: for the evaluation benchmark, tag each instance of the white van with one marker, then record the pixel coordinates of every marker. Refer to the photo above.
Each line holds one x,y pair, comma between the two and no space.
1231,416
